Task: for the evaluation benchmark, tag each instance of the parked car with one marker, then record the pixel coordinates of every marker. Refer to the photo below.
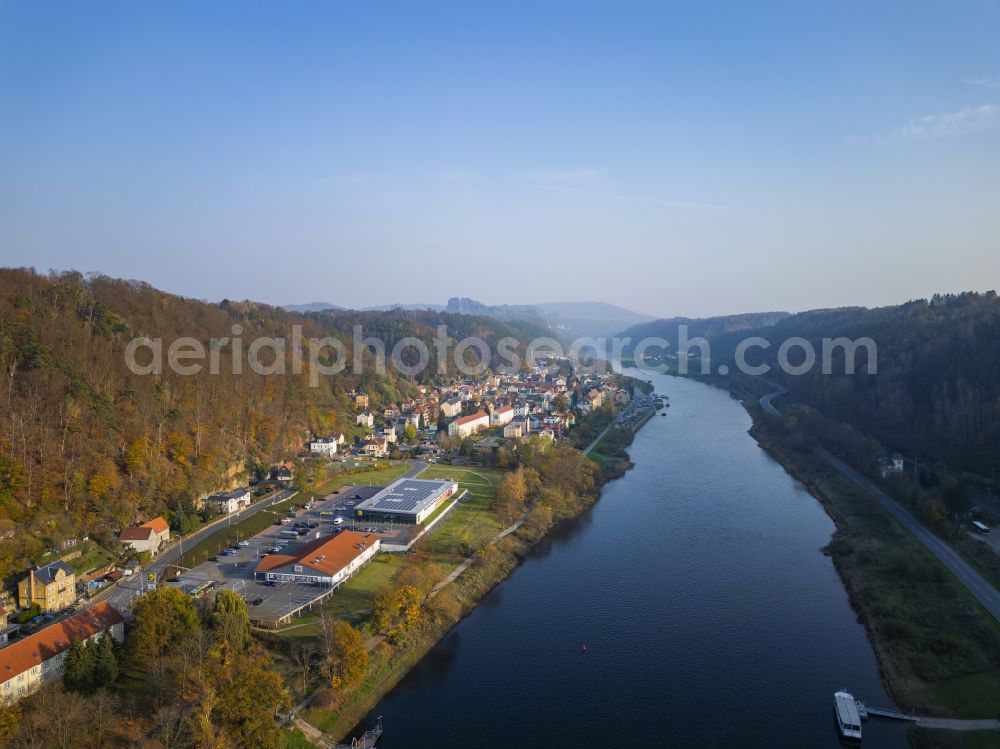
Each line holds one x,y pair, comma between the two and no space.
256,601
243,543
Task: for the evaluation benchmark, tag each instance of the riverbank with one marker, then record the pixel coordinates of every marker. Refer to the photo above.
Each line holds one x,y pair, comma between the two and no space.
447,604
938,652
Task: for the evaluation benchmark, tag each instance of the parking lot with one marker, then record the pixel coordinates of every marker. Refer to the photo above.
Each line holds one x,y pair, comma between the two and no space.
234,568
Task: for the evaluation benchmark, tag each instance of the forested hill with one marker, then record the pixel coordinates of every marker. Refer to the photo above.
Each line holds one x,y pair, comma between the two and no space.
87,446
937,391
705,327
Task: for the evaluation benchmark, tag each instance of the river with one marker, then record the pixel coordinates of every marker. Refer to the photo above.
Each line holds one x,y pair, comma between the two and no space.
710,616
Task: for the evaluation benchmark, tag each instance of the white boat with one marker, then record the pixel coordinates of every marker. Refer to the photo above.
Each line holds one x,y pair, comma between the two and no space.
848,719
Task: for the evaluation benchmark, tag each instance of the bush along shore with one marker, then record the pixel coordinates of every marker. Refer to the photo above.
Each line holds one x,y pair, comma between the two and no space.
938,651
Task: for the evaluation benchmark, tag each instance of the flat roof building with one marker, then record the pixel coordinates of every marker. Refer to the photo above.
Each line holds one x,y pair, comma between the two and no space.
406,501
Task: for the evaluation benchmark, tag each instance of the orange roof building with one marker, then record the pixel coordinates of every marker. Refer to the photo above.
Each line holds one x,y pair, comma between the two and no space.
148,536
328,561
159,525
37,659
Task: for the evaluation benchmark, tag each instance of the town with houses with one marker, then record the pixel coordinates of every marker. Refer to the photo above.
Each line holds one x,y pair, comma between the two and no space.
316,545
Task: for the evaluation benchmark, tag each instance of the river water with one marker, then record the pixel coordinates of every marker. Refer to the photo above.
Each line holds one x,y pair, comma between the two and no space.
711,618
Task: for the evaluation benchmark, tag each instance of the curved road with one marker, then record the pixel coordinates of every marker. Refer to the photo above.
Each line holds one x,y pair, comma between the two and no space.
766,401
977,585
985,593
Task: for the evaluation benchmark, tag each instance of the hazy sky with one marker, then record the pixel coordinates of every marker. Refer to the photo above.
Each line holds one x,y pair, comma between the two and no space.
676,158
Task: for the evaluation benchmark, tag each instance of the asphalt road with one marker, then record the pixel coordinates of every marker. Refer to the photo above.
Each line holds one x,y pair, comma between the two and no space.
766,401
122,595
985,593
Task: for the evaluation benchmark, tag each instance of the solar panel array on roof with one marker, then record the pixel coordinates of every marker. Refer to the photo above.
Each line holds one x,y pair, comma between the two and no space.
406,495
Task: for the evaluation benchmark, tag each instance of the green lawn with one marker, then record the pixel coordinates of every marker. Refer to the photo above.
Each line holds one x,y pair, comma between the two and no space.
92,556
473,515
297,740
972,696
352,600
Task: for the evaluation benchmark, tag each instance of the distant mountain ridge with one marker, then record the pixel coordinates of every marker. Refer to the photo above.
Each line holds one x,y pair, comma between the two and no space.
324,306
565,319
310,307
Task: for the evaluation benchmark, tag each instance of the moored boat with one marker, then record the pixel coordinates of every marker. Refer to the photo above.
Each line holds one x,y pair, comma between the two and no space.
848,719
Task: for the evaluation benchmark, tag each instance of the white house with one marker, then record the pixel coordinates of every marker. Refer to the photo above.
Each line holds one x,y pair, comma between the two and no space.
376,447
466,425
324,446
148,536
230,502
366,418
502,416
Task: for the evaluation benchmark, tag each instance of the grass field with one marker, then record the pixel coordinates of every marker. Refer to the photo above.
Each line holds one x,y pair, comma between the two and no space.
352,601
91,556
978,694
297,740
473,516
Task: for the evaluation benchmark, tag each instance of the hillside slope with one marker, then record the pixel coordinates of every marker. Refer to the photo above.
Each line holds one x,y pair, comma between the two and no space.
937,391
87,446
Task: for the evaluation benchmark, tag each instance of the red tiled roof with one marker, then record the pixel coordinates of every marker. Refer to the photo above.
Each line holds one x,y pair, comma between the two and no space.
157,524
136,533
473,417
337,551
34,650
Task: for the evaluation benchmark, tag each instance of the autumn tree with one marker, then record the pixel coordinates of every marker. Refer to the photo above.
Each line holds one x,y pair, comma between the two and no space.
248,693
396,610
350,657
511,496
165,620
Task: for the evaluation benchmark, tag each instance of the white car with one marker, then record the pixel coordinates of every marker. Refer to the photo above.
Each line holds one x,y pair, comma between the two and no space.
244,543
338,521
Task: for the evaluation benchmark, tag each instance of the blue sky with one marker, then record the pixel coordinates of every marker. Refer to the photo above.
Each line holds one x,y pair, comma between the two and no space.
698,158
